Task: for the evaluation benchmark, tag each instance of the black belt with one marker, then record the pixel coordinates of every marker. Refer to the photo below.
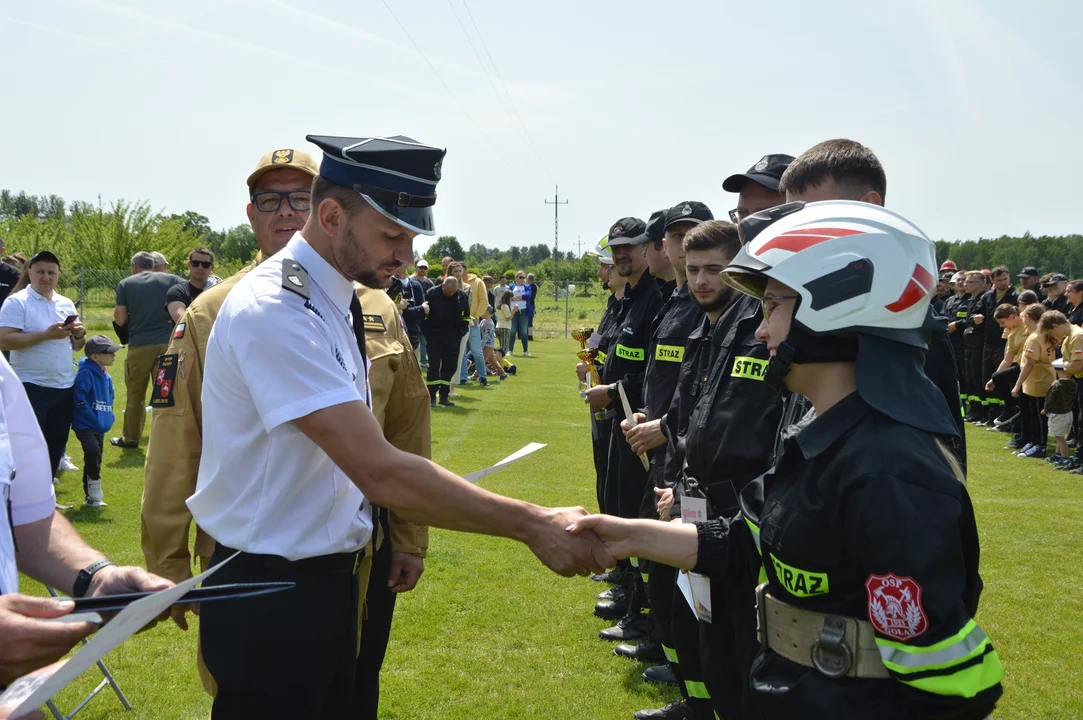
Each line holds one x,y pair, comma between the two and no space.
336,564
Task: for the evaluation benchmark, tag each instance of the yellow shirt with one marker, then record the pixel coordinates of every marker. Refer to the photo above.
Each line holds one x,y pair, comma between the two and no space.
1015,340
1072,348
1042,354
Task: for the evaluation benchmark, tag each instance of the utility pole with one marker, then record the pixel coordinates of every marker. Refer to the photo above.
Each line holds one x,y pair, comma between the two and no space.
556,203
579,246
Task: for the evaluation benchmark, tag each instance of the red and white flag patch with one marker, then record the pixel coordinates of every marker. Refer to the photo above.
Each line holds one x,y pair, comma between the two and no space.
178,332
895,607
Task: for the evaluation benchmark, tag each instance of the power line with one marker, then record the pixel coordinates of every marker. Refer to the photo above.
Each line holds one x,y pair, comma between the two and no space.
515,111
446,86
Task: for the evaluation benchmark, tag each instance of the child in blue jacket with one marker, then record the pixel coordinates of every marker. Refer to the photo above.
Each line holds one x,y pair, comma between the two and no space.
94,412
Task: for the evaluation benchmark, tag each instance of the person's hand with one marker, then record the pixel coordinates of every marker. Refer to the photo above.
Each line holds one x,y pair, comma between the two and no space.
179,613
1015,391
514,309
58,331
645,436
425,307
30,642
951,328
598,397
566,553
626,424
581,371
989,387
979,319
403,304
617,533
665,502
78,331
120,579
406,570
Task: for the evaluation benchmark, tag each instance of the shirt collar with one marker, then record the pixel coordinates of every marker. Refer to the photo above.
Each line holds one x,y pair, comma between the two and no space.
30,291
822,432
330,280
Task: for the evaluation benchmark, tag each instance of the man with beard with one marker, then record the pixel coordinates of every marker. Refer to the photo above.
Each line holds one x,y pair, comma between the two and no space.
626,361
286,478
1054,288
944,290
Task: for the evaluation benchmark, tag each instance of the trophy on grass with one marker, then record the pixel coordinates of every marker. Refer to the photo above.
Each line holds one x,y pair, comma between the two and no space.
584,334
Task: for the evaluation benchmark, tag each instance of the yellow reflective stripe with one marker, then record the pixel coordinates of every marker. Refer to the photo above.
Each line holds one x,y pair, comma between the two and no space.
966,683
600,360
762,576
961,314
960,647
628,353
749,368
671,654
755,533
696,689
800,583
669,353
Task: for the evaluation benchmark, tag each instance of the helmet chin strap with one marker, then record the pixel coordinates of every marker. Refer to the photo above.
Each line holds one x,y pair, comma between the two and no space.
805,348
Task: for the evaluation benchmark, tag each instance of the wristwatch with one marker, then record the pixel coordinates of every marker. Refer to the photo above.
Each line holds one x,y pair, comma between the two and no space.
82,581
612,392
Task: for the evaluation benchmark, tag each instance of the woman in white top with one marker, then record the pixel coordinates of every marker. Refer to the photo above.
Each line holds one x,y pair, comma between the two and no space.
504,312
41,328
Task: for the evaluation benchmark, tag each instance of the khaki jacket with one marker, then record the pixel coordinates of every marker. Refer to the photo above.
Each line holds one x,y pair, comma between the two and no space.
479,297
176,439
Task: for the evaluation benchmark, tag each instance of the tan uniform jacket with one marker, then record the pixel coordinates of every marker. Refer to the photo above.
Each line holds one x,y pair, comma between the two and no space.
176,438
400,399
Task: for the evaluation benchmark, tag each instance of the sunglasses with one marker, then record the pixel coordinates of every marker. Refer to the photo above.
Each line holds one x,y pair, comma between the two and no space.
270,201
201,263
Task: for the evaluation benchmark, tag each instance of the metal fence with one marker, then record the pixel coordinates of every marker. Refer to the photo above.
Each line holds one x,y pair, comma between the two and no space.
94,291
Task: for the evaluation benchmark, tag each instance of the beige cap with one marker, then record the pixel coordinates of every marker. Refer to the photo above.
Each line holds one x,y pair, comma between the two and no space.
284,158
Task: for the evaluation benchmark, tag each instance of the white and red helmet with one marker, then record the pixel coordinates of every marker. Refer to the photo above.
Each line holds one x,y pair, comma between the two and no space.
858,267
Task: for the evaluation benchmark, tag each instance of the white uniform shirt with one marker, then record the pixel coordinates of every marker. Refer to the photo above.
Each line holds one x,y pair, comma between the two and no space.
25,479
48,363
272,357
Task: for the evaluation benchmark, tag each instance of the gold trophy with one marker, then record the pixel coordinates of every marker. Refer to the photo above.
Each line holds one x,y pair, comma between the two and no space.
583,334
588,355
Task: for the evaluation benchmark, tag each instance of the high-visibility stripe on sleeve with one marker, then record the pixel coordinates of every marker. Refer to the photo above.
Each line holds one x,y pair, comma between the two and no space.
963,665
671,654
696,690
756,539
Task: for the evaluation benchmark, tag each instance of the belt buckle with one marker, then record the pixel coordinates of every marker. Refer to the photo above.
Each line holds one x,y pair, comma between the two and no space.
761,616
830,653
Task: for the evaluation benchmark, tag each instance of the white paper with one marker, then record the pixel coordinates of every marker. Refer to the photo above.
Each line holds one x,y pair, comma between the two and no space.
30,691
693,510
686,589
631,421
701,595
1058,364
517,455
594,341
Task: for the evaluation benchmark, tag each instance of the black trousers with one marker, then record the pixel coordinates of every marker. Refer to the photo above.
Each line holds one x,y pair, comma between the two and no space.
290,654
1035,425
718,655
626,478
443,363
991,357
975,384
602,436
93,446
53,408
375,631
687,652
1003,382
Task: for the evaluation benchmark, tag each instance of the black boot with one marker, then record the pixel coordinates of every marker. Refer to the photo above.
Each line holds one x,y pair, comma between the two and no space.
432,396
614,608
613,577
661,675
444,390
637,622
648,649
676,710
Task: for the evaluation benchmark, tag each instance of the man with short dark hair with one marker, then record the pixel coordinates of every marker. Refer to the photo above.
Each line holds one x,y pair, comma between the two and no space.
1030,279
657,260
445,324
993,348
181,295
141,309
757,189
847,170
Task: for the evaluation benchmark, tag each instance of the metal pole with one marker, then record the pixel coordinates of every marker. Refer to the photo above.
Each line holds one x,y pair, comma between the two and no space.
566,295
556,203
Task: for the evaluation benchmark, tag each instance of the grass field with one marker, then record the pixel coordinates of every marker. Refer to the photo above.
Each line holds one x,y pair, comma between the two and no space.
489,633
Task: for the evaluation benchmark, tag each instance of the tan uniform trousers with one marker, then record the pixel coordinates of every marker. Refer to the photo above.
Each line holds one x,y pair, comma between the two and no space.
141,361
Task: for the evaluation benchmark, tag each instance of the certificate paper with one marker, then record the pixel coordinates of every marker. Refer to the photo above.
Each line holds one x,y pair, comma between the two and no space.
517,455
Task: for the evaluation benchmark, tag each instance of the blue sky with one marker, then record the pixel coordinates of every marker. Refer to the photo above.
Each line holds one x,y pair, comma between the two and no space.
973,107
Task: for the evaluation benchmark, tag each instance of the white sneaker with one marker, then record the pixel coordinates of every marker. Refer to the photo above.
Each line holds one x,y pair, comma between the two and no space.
94,495
1024,451
67,464
56,481
526,354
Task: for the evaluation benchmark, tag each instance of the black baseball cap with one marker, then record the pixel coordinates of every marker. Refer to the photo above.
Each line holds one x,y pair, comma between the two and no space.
767,172
628,231
43,256
1056,278
1029,271
656,226
689,211
946,277
101,344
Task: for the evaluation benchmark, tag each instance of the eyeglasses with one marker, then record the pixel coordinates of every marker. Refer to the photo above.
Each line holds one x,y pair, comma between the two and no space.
201,263
270,201
767,309
736,216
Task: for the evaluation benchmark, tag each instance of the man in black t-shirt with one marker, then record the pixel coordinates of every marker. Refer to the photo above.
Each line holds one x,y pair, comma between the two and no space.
9,275
181,295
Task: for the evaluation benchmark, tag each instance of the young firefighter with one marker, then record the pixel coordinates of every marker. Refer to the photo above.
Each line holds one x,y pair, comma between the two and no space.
1058,414
863,533
1036,374
1003,378
93,415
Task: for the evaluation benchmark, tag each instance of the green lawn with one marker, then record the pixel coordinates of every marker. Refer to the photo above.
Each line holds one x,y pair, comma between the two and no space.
489,633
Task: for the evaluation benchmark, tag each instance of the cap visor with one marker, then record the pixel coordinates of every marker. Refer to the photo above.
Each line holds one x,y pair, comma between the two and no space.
745,281
734,182
686,220
635,240
417,219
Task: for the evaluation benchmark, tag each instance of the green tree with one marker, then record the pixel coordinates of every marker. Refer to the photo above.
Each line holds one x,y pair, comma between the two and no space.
239,245
445,245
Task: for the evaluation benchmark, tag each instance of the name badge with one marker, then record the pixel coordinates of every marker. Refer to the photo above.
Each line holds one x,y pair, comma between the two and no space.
693,510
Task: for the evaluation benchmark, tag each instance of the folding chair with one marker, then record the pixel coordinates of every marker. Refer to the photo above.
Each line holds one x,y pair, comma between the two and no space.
108,680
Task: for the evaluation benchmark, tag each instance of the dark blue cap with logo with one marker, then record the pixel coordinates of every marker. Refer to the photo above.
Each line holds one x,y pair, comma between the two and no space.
396,175
689,211
656,226
767,172
628,231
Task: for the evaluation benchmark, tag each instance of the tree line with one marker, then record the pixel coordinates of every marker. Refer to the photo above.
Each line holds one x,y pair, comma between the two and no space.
1048,253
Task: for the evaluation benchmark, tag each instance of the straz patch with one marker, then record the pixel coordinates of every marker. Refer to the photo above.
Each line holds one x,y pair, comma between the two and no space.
798,582
895,608
749,368
669,353
623,351
178,332
166,375
374,323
